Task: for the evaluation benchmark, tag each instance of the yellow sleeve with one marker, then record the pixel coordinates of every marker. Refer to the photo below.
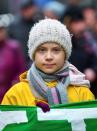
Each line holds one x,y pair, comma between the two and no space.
89,95
86,94
6,101
10,97
19,94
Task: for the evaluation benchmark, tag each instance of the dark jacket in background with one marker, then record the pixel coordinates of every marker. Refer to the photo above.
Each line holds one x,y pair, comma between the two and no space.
83,57
12,64
19,30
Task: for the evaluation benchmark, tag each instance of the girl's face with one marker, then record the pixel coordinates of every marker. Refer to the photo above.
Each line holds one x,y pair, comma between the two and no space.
49,57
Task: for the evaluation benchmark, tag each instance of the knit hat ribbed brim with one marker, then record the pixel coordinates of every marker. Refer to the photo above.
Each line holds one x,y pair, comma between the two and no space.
49,30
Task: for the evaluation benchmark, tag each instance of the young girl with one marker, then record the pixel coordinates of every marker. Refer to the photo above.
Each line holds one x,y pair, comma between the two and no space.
51,79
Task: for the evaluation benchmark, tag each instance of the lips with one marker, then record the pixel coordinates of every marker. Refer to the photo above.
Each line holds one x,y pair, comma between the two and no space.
49,65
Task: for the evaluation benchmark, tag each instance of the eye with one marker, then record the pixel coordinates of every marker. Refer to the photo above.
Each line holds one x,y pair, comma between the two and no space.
57,50
41,50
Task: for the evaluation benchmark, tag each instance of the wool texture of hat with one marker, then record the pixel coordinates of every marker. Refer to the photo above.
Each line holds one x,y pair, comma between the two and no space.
49,30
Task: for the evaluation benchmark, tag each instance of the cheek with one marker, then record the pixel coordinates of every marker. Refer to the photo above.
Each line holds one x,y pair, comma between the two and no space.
61,57
60,60
60,63
38,59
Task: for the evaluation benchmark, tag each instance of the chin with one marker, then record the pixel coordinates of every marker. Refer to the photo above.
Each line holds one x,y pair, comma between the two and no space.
49,72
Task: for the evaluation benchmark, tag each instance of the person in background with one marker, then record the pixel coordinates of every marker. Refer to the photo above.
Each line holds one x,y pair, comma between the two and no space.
51,79
12,61
41,3
83,55
22,24
90,17
89,13
73,2
54,10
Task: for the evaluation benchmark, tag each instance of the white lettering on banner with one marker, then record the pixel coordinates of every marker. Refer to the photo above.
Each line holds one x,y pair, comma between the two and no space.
74,116
12,117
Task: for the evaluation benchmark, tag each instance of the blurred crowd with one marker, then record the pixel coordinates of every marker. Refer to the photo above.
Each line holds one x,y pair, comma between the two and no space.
81,20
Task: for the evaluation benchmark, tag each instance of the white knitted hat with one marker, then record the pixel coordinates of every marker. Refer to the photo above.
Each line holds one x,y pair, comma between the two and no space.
49,30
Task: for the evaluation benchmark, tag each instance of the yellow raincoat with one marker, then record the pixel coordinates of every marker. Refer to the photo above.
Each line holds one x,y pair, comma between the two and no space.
21,93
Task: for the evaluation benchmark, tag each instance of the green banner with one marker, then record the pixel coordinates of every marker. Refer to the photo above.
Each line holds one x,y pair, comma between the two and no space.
69,117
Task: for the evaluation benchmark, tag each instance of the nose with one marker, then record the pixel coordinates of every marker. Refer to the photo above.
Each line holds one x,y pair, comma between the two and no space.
49,55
